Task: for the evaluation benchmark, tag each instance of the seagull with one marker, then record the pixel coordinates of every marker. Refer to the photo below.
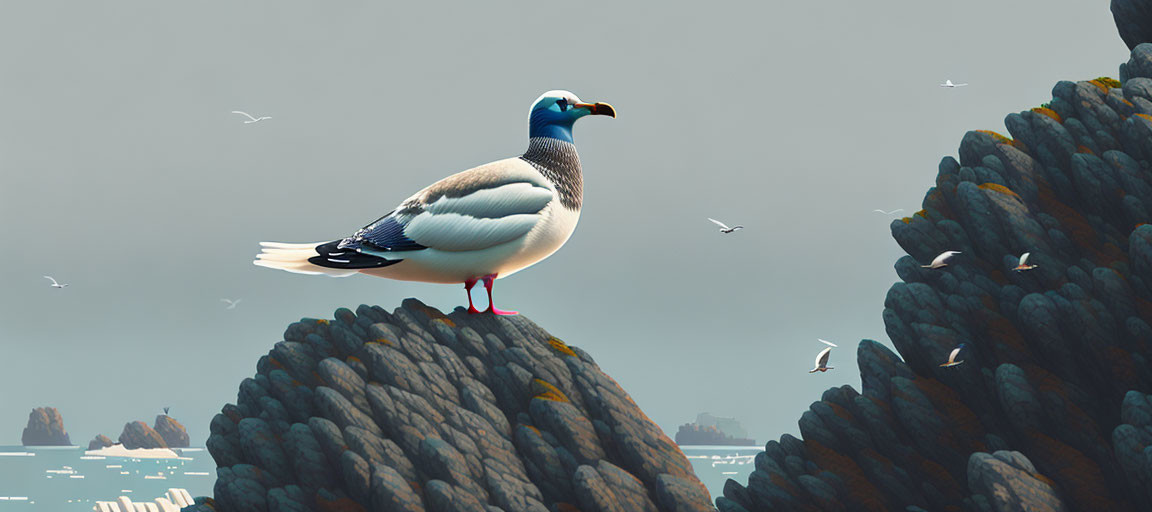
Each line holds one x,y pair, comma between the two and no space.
891,212
165,411
231,303
482,224
54,283
822,358
952,357
724,227
250,118
942,260
1023,265
948,83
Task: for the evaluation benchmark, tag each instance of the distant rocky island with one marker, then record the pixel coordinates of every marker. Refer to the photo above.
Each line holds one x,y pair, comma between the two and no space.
1052,408
45,428
712,430
166,433
414,410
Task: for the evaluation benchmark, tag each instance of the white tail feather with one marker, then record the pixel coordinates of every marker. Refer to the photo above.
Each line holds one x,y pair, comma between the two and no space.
294,258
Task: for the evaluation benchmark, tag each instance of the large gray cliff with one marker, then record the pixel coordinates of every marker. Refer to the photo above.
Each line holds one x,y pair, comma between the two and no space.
1050,410
415,410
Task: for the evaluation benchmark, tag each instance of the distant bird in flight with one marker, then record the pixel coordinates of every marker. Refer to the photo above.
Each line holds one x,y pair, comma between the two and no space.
724,227
231,303
891,212
942,260
1023,265
479,225
822,358
165,411
948,83
250,118
952,357
54,283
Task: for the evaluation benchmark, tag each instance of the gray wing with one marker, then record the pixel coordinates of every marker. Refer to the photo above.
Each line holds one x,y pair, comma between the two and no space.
474,210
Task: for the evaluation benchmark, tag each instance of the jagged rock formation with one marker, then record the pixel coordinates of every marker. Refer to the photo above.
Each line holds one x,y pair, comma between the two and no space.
1008,482
100,441
45,428
171,431
1133,20
138,434
167,433
417,411
1052,352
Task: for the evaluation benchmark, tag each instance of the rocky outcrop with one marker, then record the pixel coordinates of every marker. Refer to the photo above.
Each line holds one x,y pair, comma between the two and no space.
415,410
101,441
167,433
1057,359
171,431
1008,482
1133,20
138,434
45,428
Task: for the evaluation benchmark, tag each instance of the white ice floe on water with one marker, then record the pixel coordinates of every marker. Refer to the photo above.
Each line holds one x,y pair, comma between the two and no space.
197,473
172,501
118,450
17,454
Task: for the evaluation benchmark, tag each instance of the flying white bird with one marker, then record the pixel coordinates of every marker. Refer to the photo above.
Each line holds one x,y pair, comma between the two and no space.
231,303
724,227
891,212
482,224
942,260
822,359
250,118
826,342
1023,265
948,83
54,283
952,357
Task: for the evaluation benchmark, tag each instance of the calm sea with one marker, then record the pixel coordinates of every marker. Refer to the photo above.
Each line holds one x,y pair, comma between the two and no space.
714,465
63,479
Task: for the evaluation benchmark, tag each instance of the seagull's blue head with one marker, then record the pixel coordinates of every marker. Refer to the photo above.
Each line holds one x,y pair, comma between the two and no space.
960,346
554,112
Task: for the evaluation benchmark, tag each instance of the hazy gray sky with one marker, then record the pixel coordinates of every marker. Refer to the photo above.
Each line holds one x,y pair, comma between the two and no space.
125,176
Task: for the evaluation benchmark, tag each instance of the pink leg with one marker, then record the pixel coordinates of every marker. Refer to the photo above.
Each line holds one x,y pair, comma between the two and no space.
468,288
492,307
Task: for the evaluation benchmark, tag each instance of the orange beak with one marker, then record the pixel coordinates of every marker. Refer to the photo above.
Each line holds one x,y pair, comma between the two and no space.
598,109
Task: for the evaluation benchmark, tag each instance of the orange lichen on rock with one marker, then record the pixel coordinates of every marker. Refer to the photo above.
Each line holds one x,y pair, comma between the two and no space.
546,391
1145,116
999,188
1079,476
944,398
999,137
561,347
1048,112
862,494
384,341
1084,149
338,505
1105,83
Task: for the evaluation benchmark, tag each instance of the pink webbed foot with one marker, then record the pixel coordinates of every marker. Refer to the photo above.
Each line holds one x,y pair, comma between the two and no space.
488,279
468,284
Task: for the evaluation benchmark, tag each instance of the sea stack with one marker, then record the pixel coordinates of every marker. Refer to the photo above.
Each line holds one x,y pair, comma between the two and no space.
45,428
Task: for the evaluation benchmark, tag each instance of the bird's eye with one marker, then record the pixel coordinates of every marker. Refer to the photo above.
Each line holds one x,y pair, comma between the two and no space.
563,104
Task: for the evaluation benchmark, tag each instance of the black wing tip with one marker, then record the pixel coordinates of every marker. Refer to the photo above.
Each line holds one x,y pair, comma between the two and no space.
331,255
